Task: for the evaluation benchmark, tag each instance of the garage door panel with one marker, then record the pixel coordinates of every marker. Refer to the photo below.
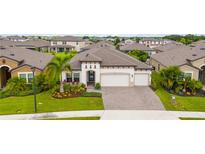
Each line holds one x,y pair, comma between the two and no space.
141,79
115,80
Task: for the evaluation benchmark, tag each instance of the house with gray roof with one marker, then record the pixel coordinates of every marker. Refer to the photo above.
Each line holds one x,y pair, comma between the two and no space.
154,42
190,60
109,67
136,46
16,61
66,43
168,47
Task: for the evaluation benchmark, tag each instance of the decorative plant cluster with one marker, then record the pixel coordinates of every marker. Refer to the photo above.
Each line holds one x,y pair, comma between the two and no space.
70,90
175,81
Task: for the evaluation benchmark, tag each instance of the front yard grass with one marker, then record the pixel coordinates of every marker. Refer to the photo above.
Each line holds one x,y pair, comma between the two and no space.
187,118
74,118
184,103
46,103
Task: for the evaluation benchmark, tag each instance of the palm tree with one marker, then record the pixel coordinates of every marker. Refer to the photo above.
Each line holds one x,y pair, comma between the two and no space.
55,68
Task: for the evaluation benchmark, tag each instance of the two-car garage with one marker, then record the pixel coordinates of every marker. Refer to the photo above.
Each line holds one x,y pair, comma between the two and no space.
123,80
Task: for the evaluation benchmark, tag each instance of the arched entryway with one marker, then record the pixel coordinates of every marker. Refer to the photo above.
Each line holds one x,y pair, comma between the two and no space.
90,77
5,75
202,74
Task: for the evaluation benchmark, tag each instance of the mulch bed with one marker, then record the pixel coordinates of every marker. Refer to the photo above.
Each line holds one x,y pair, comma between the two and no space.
60,95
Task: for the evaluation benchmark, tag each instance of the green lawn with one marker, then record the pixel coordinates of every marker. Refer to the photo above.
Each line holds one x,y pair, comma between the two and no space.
74,118
187,118
184,103
46,103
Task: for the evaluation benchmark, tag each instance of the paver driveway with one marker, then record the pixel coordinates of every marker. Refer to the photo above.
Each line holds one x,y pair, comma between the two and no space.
130,98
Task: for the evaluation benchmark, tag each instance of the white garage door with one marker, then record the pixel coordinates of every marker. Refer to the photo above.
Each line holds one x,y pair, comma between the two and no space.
141,79
115,80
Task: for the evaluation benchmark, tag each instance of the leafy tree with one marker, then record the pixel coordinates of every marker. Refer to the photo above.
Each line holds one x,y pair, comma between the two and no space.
187,39
54,69
170,77
116,41
156,80
140,55
16,85
194,85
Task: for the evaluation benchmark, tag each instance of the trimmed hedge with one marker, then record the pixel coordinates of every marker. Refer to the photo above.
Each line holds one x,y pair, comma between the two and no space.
92,94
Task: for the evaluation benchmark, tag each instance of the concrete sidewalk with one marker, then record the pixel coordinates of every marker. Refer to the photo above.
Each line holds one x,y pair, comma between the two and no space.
109,115
148,115
66,114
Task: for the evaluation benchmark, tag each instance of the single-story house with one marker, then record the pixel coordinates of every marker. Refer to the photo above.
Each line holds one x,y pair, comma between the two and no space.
33,44
98,44
190,60
168,47
136,46
109,67
15,61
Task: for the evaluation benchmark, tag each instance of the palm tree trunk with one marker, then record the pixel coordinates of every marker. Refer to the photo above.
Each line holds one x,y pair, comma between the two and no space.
61,85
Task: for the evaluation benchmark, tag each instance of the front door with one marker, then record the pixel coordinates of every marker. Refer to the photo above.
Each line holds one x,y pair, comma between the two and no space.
91,76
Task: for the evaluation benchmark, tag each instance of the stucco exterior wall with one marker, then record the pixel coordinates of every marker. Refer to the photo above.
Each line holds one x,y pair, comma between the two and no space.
25,68
90,66
199,63
189,69
8,62
77,45
155,64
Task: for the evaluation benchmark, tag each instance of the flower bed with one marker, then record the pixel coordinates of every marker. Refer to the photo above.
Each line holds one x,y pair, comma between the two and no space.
70,90
65,95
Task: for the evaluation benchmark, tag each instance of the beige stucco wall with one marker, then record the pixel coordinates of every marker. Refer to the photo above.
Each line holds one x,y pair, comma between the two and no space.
189,69
184,68
8,62
24,69
155,63
198,63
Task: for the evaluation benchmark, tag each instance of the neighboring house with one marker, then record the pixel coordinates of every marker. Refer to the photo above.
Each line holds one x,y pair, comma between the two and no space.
153,42
137,46
168,47
66,43
190,60
99,44
129,41
34,44
16,38
199,44
109,67
15,61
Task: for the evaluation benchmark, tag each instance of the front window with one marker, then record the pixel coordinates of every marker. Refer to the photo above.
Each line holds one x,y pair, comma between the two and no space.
30,77
22,76
76,77
188,75
69,77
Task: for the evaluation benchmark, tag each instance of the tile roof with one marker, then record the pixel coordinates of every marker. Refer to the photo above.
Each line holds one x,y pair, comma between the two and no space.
178,56
108,57
68,38
29,43
134,46
169,46
26,56
98,44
